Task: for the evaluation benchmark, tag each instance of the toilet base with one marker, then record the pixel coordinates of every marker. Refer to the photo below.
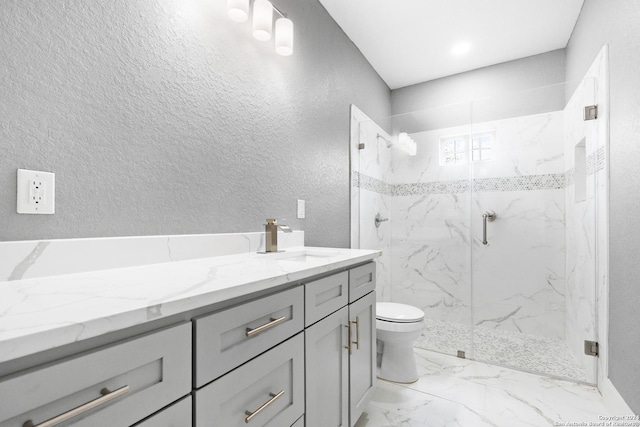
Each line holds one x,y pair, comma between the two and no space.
398,363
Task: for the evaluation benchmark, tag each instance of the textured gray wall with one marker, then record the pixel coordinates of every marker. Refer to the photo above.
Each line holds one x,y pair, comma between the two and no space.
617,22
165,117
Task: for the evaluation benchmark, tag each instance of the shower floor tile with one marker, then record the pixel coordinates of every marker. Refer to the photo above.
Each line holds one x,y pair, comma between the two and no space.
462,392
519,351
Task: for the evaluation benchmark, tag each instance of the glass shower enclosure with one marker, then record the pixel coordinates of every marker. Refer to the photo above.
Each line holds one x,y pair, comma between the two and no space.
490,226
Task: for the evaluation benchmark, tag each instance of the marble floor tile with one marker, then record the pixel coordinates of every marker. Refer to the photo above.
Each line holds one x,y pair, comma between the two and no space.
461,392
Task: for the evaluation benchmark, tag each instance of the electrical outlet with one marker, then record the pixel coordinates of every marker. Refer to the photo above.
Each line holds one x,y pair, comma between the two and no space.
301,208
36,192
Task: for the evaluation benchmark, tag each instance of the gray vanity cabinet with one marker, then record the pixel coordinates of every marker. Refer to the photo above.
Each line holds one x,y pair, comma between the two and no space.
340,353
296,357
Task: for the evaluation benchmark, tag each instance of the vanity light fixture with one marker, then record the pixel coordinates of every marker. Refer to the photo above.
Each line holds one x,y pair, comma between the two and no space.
284,36
262,19
262,25
238,10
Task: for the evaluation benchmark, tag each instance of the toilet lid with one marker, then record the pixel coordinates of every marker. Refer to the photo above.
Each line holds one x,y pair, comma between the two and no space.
401,313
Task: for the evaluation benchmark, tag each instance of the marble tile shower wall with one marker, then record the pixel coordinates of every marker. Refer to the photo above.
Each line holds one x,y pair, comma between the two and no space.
518,278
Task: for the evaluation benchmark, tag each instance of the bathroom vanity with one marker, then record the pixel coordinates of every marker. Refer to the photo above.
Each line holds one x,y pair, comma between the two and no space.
221,341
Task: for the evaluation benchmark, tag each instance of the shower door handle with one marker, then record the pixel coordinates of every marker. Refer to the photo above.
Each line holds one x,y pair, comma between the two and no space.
487,216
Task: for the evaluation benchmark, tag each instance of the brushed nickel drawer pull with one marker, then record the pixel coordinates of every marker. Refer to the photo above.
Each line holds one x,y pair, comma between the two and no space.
357,341
107,396
273,322
274,397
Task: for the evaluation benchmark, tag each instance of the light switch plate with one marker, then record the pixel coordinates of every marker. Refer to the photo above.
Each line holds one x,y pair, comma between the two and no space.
36,192
301,208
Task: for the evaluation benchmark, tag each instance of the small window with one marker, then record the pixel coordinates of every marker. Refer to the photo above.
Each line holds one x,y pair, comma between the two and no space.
456,150
481,146
453,149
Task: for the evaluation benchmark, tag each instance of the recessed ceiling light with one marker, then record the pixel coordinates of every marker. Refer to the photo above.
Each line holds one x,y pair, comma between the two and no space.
461,48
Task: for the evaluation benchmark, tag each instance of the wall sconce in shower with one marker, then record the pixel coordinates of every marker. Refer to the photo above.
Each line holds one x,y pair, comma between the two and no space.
262,25
407,144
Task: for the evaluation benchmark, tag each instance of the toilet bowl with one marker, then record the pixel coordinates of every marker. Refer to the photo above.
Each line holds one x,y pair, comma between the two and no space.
397,327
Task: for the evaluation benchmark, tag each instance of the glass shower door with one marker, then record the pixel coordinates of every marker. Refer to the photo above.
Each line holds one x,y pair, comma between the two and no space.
532,219
430,224
370,204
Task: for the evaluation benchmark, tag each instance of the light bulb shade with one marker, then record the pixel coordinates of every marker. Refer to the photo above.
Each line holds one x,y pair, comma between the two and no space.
262,19
238,10
284,37
407,144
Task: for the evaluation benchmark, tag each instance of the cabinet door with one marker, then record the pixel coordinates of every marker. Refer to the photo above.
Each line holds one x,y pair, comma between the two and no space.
327,365
362,366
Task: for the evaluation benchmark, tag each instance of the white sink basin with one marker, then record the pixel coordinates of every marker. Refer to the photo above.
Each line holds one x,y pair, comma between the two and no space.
305,255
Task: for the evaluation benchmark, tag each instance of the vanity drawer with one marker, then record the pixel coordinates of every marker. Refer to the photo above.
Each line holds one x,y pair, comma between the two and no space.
228,338
362,280
299,423
144,374
325,296
271,387
176,415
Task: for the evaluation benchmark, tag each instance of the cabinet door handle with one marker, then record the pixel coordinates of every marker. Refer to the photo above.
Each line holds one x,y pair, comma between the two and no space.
274,397
107,396
272,322
348,346
357,341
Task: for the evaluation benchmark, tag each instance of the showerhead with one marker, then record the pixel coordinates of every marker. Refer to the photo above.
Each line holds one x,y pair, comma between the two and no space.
388,141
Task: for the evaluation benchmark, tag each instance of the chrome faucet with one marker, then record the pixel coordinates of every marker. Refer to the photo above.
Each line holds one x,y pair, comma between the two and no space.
271,229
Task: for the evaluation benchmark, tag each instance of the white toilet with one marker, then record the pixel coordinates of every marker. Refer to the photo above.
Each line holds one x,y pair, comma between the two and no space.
397,326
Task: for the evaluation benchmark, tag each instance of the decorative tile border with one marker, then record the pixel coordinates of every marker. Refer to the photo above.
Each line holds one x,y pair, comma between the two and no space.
521,183
372,184
552,181
516,183
437,187
569,177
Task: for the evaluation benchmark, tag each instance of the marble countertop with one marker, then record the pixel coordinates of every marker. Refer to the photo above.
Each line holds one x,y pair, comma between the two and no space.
43,313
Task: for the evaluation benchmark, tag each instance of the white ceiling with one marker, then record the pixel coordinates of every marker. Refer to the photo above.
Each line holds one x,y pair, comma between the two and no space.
410,41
